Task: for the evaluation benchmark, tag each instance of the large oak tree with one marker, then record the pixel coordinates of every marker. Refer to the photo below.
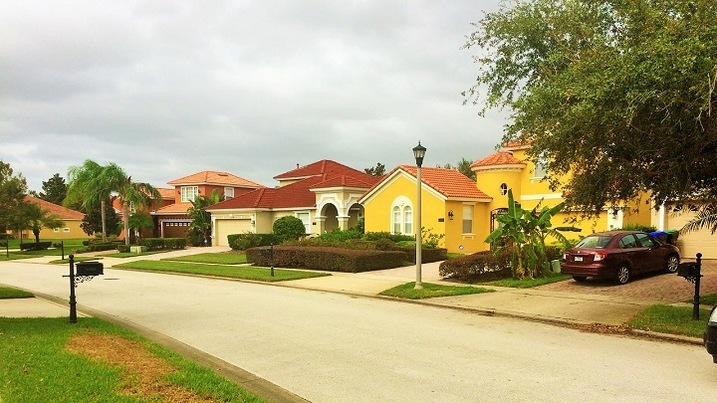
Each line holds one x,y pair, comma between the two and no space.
618,92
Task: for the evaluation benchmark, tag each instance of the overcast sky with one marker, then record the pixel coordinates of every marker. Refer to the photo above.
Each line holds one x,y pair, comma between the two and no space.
169,88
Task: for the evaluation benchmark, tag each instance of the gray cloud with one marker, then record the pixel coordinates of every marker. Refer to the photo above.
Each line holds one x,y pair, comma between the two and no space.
167,88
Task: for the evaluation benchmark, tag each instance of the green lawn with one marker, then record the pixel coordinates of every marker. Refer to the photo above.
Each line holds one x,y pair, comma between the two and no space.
231,257
9,292
238,272
69,246
36,365
431,291
672,320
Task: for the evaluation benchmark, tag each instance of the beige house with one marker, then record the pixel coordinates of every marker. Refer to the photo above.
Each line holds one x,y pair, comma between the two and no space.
323,195
71,219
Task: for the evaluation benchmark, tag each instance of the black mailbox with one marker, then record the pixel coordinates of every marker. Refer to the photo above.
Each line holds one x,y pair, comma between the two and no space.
89,268
688,270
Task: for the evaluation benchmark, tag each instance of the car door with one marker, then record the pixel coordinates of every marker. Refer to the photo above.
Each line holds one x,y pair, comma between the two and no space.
629,250
653,254
646,256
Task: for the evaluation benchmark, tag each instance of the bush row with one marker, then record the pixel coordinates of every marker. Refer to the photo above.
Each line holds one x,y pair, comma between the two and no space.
35,246
478,267
163,243
326,258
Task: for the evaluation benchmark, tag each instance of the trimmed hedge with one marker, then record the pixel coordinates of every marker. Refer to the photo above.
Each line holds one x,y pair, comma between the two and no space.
478,267
35,246
163,243
326,258
428,255
251,240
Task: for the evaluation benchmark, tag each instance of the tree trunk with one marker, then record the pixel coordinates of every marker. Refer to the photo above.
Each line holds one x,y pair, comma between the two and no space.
104,222
125,223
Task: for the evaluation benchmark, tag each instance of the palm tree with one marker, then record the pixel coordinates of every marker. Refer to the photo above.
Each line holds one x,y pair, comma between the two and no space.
132,195
201,226
706,218
91,182
88,185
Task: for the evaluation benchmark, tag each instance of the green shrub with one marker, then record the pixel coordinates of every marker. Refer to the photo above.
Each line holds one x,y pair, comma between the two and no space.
638,227
385,244
35,246
478,267
163,243
323,258
428,255
289,228
250,240
123,248
338,235
375,236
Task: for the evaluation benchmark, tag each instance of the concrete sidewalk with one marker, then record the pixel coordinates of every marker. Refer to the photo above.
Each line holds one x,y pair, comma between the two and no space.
561,308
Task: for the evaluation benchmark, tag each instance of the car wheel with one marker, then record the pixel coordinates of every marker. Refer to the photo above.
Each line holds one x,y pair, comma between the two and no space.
623,274
579,279
672,263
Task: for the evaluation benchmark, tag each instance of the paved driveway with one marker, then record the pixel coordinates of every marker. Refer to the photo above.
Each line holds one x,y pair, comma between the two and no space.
667,288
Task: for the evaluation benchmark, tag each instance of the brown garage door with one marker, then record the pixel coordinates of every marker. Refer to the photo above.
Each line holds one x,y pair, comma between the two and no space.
690,243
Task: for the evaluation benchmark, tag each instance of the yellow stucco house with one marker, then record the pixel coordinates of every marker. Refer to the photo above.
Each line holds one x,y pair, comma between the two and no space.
72,221
451,205
465,211
510,168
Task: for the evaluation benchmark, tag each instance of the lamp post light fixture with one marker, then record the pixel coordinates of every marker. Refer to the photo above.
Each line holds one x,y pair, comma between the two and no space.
419,152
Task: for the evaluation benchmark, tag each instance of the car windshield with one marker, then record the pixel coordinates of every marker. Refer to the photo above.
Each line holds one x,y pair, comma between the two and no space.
594,242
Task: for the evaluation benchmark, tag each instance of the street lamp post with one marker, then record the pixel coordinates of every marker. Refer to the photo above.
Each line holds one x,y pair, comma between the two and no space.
419,152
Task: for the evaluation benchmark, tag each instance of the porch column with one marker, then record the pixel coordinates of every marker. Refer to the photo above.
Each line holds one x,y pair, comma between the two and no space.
343,222
321,223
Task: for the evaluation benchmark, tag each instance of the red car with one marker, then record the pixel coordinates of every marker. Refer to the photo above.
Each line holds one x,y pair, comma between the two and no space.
619,255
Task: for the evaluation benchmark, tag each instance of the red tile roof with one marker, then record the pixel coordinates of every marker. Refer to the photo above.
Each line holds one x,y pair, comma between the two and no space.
214,178
448,182
498,158
60,211
295,195
325,167
166,193
175,208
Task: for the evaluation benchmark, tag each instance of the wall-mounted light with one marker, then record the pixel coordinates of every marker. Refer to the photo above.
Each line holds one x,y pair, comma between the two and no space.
450,215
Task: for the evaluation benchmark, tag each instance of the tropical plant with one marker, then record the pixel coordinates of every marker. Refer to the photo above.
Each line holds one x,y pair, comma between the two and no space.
91,183
430,239
524,233
138,221
89,186
200,230
706,217
37,218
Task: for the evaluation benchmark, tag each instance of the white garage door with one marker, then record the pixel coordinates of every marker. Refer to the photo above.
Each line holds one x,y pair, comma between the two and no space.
229,227
690,243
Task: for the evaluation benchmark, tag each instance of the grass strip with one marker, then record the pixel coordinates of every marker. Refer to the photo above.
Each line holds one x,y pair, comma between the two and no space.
530,282
672,320
9,292
36,366
431,291
240,272
214,258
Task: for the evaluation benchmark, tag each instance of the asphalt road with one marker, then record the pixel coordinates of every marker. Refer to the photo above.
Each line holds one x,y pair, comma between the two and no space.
328,347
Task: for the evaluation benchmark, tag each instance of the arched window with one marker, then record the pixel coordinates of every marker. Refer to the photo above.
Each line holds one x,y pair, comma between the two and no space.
503,189
402,216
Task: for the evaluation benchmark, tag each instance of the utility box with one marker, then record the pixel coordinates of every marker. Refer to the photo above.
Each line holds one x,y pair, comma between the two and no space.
137,249
89,269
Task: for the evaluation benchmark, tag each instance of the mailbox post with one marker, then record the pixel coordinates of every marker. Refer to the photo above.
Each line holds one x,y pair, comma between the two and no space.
86,271
692,272
270,253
